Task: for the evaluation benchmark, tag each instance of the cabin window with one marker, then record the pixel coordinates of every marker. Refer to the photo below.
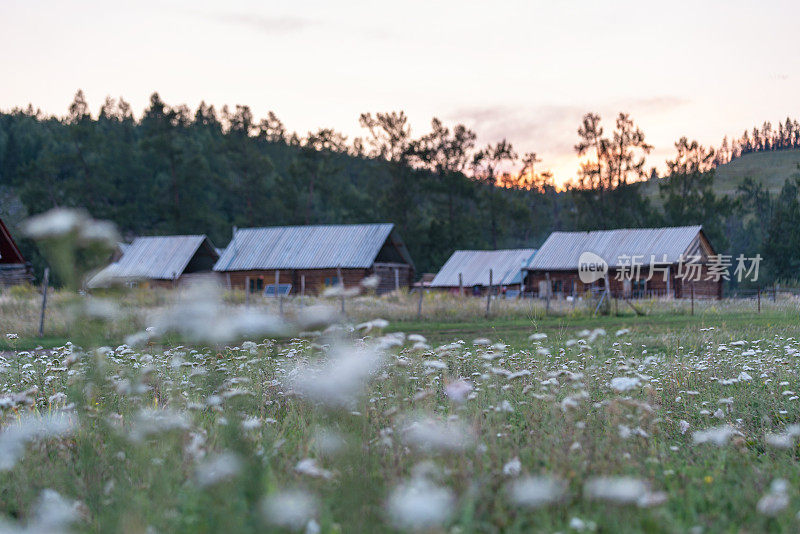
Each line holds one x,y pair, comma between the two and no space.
256,285
557,286
331,281
638,287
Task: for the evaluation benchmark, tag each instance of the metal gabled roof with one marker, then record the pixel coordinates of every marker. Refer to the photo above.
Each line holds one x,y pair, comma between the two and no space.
474,266
350,246
562,250
158,258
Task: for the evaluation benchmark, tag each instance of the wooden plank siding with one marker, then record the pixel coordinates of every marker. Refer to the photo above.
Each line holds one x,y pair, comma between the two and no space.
568,283
12,274
315,279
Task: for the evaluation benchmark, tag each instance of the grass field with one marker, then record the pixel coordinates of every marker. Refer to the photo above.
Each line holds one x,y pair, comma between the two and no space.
523,422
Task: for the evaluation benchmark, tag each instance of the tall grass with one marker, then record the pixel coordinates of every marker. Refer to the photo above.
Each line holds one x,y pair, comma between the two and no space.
348,429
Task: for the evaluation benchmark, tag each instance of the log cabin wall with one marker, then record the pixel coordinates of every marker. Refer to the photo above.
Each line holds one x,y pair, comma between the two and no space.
568,283
386,273
12,274
316,280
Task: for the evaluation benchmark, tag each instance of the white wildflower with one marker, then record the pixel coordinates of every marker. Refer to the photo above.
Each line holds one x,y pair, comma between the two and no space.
340,380
512,468
219,468
327,441
776,499
377,324
594,334
624,383
419,504
53,514
536,491
684,426
580,525
290,509
152,421
505,407
15,437
622,490
458,390
718,436
433,434
780,441
309,467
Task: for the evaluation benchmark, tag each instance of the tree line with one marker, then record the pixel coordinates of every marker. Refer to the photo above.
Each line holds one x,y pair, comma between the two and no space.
174,170
760,139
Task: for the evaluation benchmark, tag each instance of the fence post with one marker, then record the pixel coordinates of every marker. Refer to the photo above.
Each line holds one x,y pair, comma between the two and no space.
669,276
460,285
247,291
396,279
774,292
302,288
489,295
45,281
692,298
419,302
341,283
759,300
547,294
277,292
574,293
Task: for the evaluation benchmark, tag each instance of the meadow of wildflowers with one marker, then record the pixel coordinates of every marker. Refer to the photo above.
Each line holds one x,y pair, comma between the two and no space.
215,417
351,427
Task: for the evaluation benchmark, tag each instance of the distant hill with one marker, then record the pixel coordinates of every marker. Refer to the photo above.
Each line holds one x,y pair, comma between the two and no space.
770,168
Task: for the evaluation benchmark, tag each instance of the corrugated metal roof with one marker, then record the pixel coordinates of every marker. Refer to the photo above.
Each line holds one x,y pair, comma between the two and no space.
474,265
157,258
353,246
562,249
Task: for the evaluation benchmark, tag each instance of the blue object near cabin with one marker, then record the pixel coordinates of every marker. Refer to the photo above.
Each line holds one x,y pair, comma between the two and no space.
283,289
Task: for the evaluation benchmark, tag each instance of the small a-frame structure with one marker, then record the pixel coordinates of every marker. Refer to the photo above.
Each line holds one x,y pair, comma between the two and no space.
14,269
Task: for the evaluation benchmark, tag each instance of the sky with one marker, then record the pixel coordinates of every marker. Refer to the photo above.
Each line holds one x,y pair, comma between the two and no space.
525,71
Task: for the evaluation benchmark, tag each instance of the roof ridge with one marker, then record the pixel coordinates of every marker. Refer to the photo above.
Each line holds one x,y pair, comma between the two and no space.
700,226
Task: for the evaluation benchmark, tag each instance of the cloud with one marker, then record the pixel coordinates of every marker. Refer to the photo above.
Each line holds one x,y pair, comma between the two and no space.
542,129
269,25
551,130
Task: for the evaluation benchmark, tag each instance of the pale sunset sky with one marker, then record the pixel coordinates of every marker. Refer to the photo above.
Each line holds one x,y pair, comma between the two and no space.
526,71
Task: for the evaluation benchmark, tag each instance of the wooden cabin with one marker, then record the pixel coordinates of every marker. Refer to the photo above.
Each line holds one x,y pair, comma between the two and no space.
309,258
14,269
468,271
554,270
160,261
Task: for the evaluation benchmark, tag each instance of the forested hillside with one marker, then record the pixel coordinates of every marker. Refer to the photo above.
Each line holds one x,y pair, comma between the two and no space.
178,171
174,170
